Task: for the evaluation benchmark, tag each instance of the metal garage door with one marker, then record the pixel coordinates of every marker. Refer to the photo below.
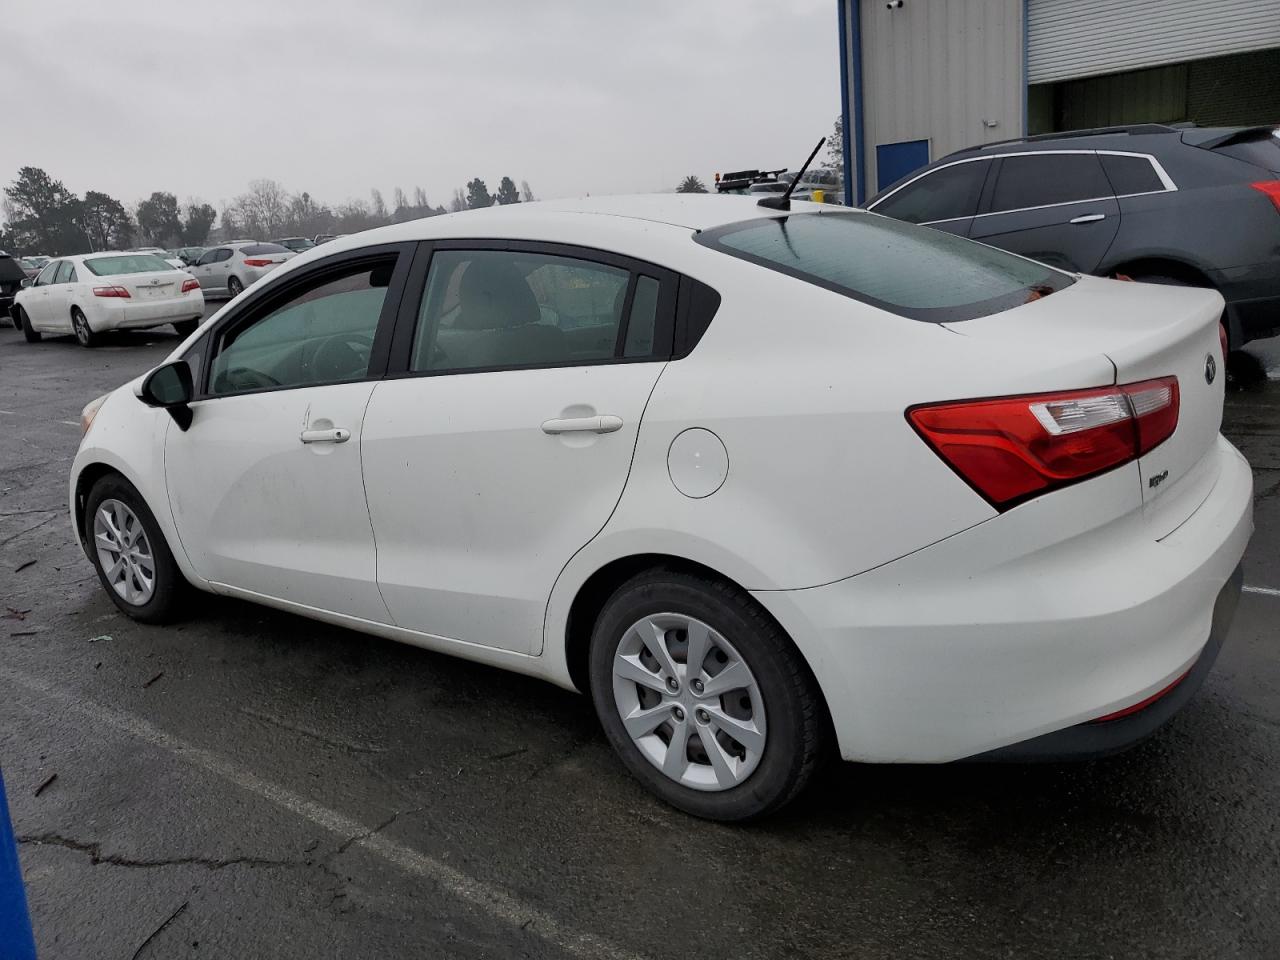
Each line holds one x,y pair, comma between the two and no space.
1080,38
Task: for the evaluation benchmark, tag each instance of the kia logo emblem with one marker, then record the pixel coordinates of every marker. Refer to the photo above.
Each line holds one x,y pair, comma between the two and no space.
1210,368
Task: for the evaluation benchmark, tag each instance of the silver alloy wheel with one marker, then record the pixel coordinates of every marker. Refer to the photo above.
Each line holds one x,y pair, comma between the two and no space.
689,701
81,326
124,553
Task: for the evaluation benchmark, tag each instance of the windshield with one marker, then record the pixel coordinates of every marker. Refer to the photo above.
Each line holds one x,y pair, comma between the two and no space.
912,271
126,263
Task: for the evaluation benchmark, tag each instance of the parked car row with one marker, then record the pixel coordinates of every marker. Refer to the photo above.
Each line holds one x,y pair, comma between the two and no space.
1184,206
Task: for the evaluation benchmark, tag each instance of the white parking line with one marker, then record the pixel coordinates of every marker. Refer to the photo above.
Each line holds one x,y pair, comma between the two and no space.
491,899
1265,591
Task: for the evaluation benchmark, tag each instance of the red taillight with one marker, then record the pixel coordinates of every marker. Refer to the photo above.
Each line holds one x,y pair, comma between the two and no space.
1271,188
1013,448
111,292
189,285
255,262
1222,339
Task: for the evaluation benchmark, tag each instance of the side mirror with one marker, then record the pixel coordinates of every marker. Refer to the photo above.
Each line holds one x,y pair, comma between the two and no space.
27,281
170,386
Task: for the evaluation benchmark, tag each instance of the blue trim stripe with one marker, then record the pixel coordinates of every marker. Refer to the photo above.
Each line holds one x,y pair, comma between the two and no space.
859,142
844,104
16,942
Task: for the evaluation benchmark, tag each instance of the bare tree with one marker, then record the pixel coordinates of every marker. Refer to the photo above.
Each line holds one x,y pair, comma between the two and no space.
459,201
525,193
263,210
398,200
379,206
420,197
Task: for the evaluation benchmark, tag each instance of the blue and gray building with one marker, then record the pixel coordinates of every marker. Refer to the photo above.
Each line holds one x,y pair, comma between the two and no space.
921,78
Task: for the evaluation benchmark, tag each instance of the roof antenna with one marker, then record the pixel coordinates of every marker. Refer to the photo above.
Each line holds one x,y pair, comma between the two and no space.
784,202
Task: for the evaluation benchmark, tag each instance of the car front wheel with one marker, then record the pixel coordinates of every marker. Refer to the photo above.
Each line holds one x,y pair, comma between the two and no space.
134,563
23,323
704,697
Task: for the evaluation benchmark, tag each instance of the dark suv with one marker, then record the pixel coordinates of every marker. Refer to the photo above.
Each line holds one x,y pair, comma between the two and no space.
12,277
1198,206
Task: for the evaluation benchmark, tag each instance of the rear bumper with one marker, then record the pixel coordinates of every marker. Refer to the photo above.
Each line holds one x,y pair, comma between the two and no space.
1087,740
120,314
1018,628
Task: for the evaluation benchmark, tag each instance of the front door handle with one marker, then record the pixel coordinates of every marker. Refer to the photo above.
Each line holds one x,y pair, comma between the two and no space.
604,424
1088,218
336,435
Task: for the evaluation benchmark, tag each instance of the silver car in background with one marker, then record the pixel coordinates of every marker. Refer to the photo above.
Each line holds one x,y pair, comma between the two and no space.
229,268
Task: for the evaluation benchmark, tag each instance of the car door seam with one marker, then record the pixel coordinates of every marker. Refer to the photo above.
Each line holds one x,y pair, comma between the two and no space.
546,609
368,510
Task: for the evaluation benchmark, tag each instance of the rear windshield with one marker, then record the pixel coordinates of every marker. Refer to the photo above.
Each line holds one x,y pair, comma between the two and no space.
257,249
1263,150
10,269
913,271
126,263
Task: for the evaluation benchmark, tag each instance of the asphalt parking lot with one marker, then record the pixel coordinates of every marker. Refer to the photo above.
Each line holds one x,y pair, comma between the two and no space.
252,784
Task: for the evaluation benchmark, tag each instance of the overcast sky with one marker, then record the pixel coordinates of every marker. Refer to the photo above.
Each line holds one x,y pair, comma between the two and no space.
596,96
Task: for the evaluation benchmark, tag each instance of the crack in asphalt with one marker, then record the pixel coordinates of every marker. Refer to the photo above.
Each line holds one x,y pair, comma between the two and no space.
96,856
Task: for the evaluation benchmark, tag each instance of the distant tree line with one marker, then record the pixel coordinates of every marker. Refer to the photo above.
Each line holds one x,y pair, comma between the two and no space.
42,216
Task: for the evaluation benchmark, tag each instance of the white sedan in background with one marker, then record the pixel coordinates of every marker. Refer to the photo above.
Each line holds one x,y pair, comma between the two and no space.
95,292
760,482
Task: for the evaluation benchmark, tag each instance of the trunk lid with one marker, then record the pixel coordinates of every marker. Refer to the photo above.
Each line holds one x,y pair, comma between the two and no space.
1146,331
147,287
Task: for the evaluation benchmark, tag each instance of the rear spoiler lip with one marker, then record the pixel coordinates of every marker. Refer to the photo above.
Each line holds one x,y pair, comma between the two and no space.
1242,135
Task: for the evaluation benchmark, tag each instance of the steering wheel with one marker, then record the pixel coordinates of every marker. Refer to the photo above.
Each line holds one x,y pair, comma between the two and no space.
343,356
245,378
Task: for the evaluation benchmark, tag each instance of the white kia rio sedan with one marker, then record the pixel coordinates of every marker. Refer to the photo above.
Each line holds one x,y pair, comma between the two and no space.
759,482
89,294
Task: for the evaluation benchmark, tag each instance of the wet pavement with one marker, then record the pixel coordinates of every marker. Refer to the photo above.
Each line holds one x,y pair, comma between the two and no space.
252,784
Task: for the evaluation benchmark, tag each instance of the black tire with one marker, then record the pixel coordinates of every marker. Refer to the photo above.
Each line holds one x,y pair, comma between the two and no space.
186,328
796,725
234,287
171,590
84,334
22,323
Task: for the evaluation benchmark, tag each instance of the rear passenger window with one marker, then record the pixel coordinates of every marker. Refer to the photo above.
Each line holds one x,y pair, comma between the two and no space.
489,309
64,272
1041,179
945,194
644,318
1130,174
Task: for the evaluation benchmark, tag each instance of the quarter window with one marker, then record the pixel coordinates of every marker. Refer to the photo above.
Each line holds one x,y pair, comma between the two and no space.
945,194
1041,179
486,309
1130,174
322,333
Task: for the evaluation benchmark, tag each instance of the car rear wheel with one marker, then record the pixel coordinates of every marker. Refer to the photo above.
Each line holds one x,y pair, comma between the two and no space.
134,563
186,327
704,697
84,335
234,287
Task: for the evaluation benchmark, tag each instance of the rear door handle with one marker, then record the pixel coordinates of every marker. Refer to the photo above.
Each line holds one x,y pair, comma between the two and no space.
336,435
604,424
1088,218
